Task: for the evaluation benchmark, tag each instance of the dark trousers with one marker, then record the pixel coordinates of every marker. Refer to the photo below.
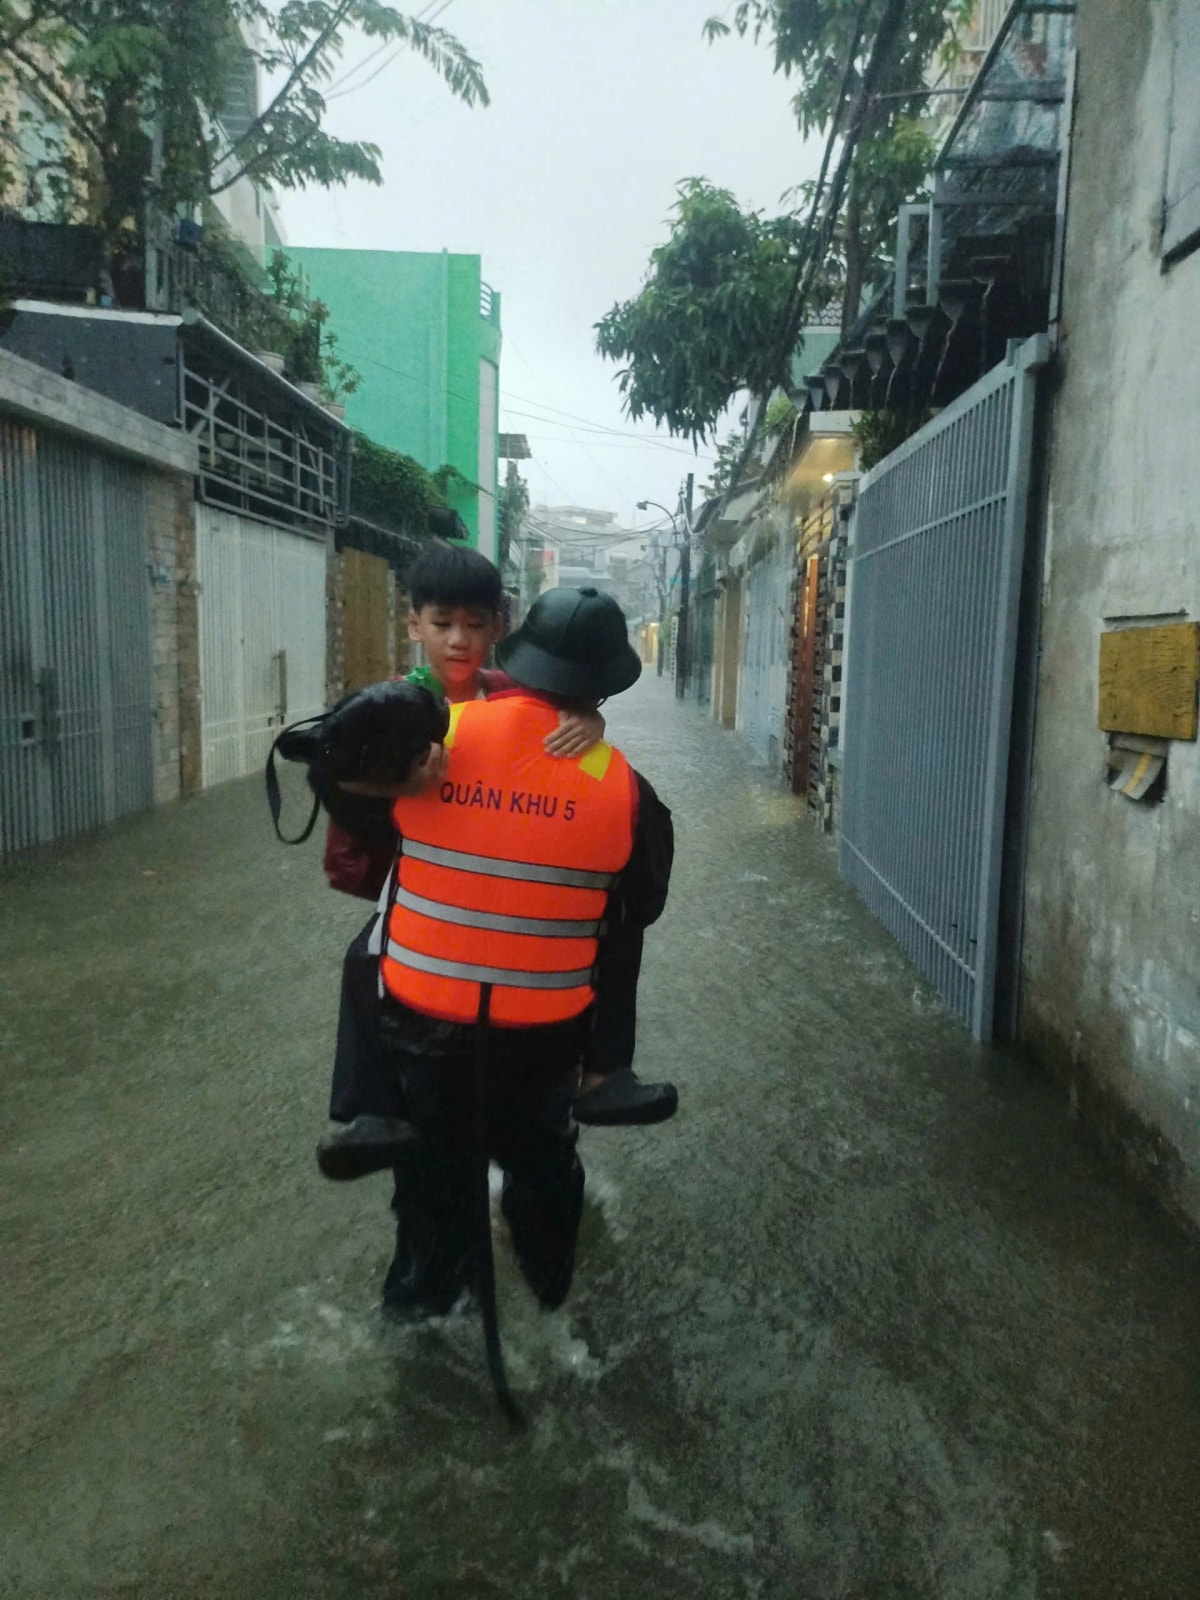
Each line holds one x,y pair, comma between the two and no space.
364,1080
527,1129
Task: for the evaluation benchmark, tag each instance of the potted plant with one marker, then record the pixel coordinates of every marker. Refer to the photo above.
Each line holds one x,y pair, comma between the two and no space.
339,379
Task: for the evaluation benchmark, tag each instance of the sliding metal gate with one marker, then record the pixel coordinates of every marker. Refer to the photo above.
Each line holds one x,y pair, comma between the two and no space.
76,694
935,589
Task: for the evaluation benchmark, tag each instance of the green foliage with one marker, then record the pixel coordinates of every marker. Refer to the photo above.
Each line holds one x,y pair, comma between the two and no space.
781,413
287,145
706,322
712,317
107,72
390,488
728,456
307,343
813,40
104,74
514,505
450,481
880,432
339,379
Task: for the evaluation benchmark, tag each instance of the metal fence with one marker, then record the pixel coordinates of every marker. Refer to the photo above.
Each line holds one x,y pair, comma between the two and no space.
934,600
76,697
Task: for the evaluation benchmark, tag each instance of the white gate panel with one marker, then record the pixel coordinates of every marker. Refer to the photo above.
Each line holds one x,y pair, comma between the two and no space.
300,625
262,637
763,681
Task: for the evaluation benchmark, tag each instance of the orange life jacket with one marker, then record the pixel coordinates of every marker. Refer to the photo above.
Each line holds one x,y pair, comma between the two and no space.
504,872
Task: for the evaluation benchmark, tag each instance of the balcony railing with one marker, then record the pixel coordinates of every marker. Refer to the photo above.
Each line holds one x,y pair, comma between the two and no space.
185,271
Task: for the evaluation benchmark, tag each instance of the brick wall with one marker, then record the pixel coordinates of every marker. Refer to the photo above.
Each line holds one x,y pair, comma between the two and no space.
335,624
174,642
188,626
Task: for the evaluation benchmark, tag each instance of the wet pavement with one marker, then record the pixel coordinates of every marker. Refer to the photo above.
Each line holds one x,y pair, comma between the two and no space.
870,1320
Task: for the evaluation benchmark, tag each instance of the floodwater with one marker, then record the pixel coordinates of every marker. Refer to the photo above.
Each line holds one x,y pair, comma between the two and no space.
870,1320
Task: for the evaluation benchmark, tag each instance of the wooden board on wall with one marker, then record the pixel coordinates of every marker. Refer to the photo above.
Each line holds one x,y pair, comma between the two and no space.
1148,680
368,645
404,645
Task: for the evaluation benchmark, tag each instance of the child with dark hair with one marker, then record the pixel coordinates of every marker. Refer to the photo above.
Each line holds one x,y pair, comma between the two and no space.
456,575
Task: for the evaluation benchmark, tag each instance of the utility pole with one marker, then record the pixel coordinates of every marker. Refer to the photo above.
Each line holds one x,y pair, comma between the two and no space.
658,566
682,665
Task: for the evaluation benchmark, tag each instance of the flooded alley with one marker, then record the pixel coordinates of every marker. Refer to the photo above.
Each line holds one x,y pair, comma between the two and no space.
869,1320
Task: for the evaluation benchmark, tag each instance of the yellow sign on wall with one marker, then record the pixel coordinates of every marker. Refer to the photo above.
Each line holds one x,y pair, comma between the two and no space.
1148,680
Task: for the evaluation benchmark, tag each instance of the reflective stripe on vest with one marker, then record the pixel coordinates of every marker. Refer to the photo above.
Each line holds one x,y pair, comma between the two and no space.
506,977
462,917
504,872
494,867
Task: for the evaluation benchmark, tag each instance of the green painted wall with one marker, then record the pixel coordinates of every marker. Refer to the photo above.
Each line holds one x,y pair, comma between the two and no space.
411,323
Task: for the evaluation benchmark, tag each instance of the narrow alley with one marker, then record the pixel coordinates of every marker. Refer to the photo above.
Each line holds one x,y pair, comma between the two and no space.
869,1320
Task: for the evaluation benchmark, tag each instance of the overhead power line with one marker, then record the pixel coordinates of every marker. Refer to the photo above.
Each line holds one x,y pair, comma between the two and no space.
336,91
590,423
625,439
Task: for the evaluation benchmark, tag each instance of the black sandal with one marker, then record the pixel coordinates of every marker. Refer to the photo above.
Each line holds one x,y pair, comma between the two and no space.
624,1101
366,1145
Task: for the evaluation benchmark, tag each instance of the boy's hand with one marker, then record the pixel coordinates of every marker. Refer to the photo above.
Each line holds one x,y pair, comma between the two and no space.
424,774
578,730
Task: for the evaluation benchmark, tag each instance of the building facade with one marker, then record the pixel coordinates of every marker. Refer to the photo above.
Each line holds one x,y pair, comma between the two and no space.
423,329
1111,950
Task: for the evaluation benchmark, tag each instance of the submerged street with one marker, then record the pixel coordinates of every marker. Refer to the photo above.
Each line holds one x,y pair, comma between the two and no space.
869,1320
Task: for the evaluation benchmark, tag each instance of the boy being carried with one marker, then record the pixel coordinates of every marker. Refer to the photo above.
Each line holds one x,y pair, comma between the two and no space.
456,618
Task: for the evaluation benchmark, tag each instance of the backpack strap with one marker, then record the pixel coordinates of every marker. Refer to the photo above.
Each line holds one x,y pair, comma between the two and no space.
274,799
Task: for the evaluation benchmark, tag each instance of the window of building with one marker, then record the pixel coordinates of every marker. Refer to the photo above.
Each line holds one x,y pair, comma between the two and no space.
1181,202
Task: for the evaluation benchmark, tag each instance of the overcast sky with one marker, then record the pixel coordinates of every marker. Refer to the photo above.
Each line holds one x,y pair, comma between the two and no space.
563,185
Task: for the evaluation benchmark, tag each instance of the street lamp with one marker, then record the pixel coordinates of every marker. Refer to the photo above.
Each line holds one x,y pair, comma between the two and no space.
644,505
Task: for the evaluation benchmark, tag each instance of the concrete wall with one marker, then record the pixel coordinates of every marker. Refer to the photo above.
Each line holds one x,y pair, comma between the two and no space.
1111,959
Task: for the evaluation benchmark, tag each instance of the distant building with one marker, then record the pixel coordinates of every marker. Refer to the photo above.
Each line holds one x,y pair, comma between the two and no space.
423,329
248,209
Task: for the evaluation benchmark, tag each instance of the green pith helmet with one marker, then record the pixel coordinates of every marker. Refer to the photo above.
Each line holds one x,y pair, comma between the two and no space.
573,642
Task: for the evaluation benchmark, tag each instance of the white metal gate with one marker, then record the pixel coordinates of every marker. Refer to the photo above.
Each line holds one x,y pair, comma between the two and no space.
76,691
764,675
938,542
262,636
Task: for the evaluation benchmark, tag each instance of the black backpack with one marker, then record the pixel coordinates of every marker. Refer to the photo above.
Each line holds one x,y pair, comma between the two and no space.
373,734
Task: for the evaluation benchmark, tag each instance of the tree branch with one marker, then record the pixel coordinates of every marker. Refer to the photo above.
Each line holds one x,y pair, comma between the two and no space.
295,76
